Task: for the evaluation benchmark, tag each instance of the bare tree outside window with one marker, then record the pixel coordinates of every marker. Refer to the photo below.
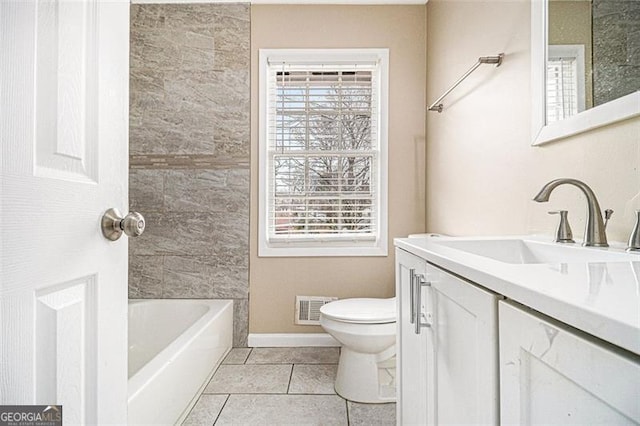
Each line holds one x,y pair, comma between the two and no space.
324,153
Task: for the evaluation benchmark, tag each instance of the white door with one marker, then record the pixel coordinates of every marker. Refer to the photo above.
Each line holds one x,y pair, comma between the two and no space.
64,131
411,361
462,351
553,375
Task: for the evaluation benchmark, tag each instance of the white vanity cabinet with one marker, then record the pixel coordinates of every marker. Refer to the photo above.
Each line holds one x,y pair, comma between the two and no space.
411,365
517,343
448,362
551,374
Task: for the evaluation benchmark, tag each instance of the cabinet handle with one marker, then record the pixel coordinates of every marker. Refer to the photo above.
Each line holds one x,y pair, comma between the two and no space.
412,291
419,283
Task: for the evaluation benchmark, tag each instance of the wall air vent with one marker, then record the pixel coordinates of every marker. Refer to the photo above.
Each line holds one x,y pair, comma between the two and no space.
308,309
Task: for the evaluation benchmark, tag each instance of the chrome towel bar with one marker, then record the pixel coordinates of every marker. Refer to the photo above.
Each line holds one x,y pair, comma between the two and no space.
497,60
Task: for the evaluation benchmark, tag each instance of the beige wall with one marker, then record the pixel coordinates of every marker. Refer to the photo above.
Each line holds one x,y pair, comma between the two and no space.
481,170
274,282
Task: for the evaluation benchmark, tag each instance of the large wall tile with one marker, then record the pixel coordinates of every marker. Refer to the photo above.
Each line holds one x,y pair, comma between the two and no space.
204,277
232,52
207,190
145,277
240,322
616,49
145,191
192,234
232,133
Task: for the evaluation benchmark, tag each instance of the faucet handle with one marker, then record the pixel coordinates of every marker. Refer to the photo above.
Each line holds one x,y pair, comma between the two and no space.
607,215
563,233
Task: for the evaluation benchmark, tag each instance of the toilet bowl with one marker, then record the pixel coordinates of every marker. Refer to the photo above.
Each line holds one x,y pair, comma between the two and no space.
366,329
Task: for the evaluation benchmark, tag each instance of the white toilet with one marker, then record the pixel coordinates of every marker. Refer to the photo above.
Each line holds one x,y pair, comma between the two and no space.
366,328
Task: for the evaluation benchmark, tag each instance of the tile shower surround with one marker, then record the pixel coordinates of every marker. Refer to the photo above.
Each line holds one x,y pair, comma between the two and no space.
189,153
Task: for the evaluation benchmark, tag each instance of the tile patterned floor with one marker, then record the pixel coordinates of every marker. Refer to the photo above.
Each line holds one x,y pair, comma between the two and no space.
281,386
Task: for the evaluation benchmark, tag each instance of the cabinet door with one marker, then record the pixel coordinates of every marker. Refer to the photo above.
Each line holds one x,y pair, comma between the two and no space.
552,374
462,351
411,347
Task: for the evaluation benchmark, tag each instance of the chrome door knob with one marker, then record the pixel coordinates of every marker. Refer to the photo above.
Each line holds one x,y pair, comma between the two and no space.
113,224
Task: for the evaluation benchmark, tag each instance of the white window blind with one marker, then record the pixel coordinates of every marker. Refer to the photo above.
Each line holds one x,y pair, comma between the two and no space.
566,89
322,152
562,88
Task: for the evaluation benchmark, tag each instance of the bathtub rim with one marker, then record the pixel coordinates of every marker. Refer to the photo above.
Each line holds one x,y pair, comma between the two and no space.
153,368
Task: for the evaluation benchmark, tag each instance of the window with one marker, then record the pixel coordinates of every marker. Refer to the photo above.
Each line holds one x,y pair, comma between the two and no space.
565,81
323,152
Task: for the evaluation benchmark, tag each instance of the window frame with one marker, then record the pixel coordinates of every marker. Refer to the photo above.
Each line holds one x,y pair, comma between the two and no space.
328,246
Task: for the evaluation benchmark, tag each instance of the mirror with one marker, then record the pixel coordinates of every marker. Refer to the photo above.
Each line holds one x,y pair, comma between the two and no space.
586,65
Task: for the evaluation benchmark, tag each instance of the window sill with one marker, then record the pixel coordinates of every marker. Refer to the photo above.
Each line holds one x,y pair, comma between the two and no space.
289,250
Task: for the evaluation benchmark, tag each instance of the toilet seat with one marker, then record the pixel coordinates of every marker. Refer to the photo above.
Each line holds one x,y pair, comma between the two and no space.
361,311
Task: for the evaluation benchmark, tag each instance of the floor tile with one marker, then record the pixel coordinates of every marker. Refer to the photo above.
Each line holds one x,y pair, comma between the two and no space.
206,410
294,356
313,378
237,356
371,414
284,409
250,379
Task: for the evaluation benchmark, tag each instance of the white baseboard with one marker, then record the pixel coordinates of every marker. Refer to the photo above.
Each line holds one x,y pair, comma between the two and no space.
278,340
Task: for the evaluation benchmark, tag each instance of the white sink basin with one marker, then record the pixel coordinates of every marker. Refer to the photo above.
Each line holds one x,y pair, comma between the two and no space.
530,251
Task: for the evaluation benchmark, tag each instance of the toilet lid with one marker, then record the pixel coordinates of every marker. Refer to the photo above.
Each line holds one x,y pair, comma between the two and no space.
372,311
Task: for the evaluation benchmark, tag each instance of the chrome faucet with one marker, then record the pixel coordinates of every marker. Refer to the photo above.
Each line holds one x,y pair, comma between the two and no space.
634,238
594,233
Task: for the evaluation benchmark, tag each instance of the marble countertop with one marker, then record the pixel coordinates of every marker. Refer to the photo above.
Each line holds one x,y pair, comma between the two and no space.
600,298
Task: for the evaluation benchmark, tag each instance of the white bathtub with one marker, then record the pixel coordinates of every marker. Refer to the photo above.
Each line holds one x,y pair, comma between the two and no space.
174,348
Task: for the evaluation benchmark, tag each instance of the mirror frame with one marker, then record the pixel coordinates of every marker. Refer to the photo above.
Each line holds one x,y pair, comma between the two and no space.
611,112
